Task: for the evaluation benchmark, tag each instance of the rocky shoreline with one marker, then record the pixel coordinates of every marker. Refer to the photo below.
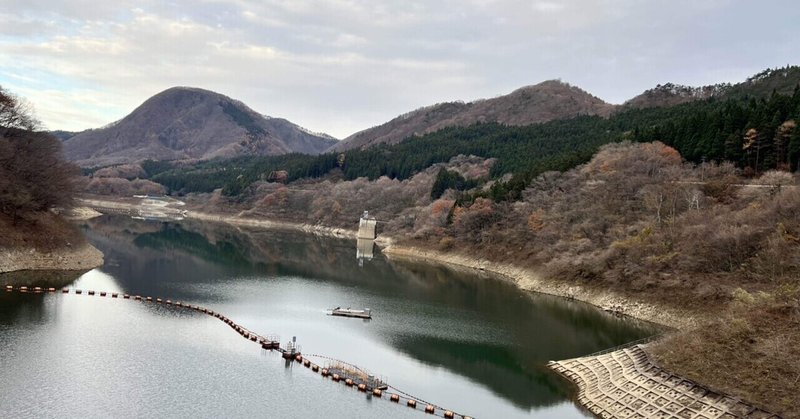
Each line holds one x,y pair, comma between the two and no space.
116,206
530,280
80,258
269,224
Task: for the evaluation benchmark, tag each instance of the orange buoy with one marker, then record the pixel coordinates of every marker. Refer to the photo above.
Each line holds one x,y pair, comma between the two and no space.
448,414
395,398
126,296
349,382
51,290
335,377
429,409
102,293
411,403
377,392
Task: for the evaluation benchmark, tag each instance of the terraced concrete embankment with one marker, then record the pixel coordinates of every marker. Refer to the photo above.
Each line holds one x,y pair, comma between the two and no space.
626,383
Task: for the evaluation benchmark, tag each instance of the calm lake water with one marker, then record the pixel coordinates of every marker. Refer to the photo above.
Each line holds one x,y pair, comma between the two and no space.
466,342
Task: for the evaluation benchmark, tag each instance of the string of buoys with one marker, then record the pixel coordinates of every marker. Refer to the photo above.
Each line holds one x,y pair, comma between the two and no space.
271,342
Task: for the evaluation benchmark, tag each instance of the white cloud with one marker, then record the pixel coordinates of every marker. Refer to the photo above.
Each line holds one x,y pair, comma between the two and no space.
344,65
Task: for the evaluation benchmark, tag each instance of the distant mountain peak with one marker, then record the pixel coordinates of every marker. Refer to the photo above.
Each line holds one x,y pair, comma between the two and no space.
545,101
191,123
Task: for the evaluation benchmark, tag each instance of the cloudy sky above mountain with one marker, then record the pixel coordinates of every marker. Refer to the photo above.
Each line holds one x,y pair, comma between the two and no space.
340,66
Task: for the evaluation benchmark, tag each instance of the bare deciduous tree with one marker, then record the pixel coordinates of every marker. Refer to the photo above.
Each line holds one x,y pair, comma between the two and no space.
34,177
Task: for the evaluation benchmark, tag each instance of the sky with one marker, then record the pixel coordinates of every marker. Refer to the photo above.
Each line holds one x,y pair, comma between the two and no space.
340,66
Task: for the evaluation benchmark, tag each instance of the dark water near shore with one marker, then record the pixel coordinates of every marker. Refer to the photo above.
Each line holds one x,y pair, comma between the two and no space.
473,344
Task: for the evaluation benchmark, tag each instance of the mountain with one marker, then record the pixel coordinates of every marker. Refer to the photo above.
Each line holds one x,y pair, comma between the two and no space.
63,135
191,123
543,102
780,80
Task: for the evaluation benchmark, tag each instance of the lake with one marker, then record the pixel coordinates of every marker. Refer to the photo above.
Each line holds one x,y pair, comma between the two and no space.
462,340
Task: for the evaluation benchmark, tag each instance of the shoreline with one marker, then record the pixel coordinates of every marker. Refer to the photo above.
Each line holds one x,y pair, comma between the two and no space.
320,230
82,258
525,279
529,280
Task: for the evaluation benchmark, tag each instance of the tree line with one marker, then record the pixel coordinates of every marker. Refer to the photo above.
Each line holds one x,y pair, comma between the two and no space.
34,177
757,134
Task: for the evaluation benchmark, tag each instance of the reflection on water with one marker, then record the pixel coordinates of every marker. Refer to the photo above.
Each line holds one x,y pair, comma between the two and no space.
364,249
464,341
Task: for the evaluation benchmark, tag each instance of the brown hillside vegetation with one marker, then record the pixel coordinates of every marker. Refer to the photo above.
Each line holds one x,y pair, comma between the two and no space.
636,219
528,105
753,351
34,178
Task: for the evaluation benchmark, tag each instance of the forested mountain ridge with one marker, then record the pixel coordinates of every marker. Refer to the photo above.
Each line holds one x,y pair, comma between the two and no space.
781,80
755,135
190,123
554,99
542,102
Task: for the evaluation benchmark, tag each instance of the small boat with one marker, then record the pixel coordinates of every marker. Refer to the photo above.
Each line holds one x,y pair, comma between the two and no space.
351,312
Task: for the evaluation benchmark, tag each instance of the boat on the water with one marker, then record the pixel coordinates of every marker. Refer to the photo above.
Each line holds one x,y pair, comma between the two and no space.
352,312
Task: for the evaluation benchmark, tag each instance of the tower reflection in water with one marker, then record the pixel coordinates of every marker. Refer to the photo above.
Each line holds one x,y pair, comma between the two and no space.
364,250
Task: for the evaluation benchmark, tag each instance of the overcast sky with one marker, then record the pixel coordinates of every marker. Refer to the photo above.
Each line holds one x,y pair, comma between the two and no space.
340,66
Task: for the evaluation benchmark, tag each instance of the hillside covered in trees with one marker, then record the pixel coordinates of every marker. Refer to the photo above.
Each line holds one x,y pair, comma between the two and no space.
636,219
756,134
34,178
